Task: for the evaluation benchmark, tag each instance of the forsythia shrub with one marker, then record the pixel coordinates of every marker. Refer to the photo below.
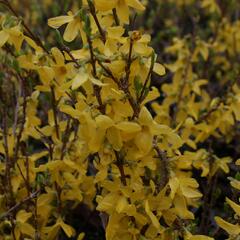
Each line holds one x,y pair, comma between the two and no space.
84,131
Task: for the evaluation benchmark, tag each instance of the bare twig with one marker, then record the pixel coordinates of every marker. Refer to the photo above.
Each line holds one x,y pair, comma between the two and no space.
93,12
164,169
141,96
115,16
67,50
21,129
97,89
54,107
19,204
120,166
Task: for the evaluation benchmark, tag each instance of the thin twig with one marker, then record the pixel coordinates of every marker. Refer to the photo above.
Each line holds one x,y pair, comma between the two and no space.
97,89
141,96
129,61
54,107
66,136
120,166
124,87
19,204
21,129
164,169
67,50
93,12
115,16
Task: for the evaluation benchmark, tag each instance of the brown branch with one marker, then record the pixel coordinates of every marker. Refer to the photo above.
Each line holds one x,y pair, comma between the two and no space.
8,158
124,87
19,204
164,169
19,135
129,61
120,166
97,89
35,215
141,97
67,50
54,107
208,200
47,141
66,136
24,151
93,12
59,202
108,71
115,16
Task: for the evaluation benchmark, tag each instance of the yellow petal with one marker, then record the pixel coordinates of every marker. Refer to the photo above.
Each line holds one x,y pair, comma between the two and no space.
174,185
204,51
107,203
27,229
79,80
70,111
122,11
97,82
159,69
46,74
234,206
58,56
199,237
44,199
181,207
78,54
143,140
228,227
190,192
15,37
136,4
152,95
104,121
26,62
235,183
129,127
159,129
189,187
81,236
33,44
71,31
114,138
189,236
153,218
121,204
142,49
69,231
115,32
23,216
57,22
3,38
105,5
145,117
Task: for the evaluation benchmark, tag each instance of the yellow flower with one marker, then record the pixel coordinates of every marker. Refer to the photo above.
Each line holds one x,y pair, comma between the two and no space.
122,7
74,26
12,35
